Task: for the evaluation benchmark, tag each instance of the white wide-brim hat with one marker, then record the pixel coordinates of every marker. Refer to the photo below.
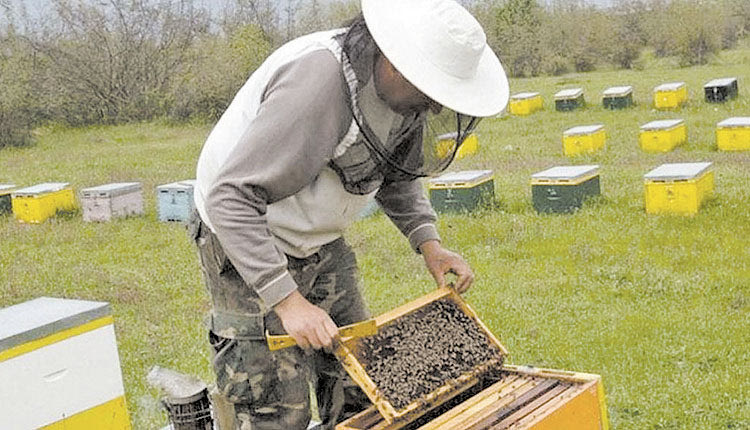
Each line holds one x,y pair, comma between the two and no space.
442,50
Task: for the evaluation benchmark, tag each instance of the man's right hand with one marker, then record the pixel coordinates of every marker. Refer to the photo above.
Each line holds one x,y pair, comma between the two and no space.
308,324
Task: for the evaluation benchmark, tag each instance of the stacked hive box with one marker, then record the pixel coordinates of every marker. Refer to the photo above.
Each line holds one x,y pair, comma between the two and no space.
447,144
522,104
462,191
114,200
662,135
679,188
733,134
563,189
59,366
583,139
406,370
670,96
570,99
720,90
618,97
38,203
175,200
5,198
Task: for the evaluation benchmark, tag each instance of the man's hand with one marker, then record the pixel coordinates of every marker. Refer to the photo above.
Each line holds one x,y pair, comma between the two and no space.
308,324
441,261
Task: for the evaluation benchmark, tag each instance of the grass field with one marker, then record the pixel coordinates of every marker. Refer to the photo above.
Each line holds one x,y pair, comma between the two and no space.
658,305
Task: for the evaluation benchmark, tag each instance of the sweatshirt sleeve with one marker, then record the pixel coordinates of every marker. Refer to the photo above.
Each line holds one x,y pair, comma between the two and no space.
301,118
407,206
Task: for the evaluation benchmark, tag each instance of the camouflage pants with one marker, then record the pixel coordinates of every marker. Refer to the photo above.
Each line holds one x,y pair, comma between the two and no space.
270,389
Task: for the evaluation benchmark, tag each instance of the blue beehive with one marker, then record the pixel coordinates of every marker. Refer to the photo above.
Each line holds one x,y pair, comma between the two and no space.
175,200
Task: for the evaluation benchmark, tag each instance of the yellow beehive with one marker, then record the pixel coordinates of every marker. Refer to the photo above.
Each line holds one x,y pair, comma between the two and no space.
733,134
447,143
523,398
679,188
662,135
670,96
583,139
37,203
522,104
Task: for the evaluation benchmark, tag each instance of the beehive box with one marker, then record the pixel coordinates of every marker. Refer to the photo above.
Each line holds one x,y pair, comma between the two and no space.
175,200
522,104
563,189
59,366
733,134
5,198
425,352
447,144
115,200
670,95
583,139
42,201
461,191
618,97
518,398
662,135
679,188
570,99
720,90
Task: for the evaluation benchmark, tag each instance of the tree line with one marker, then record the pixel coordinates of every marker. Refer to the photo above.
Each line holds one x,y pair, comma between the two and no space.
108,61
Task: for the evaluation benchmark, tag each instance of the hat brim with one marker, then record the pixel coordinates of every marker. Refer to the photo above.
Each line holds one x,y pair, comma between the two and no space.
484,94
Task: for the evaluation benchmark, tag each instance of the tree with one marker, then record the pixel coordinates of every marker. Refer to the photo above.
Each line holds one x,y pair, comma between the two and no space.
514,34
114,60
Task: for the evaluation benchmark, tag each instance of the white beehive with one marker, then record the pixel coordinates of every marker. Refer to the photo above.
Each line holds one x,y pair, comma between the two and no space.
109,201
59,367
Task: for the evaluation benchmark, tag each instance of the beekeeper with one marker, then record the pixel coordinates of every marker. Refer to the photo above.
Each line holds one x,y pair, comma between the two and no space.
327,123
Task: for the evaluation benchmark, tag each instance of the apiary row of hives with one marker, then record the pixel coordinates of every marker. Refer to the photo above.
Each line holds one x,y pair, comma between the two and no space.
732,134
670,95
434,365
40,202
679,188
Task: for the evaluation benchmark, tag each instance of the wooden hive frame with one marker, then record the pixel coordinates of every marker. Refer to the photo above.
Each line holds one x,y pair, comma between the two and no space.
346,355
522,398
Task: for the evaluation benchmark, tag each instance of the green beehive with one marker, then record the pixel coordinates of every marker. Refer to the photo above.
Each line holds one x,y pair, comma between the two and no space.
570,99
618,97
563,189
5,197
462,191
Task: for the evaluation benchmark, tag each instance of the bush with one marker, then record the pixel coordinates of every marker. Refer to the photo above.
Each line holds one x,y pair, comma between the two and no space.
16,99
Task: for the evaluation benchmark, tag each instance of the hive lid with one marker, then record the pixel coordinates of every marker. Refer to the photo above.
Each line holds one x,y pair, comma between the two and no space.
6,189
41,317
721,82
393,353
677,171
670,86
583,129
185,184
463,178
524,96
662,124
618,91
569,93
113,189
566,172
737,121
47,187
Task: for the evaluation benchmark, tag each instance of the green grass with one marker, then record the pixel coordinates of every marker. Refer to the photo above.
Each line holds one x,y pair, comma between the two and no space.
658,305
